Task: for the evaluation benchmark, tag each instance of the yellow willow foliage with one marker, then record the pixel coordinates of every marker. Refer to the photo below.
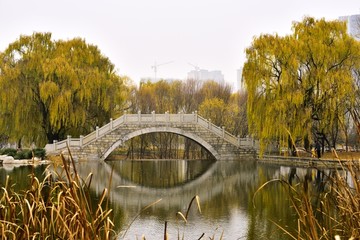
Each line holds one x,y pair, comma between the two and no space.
300,84
61,85
215,110
48,91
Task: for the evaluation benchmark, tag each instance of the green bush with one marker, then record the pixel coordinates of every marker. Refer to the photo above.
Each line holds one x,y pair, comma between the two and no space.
8,151
40,153
19,155
24,154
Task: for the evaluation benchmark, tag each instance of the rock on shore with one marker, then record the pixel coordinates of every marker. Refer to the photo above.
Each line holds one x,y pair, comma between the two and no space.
5,159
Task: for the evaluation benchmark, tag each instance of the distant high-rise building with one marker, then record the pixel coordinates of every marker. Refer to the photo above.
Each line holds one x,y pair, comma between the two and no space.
353,25
240,79
204,75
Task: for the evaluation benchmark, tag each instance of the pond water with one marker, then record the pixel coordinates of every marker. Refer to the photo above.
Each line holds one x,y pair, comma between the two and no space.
229,208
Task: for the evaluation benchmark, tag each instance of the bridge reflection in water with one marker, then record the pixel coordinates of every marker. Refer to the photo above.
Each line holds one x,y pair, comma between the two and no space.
225,189
135,184
171,174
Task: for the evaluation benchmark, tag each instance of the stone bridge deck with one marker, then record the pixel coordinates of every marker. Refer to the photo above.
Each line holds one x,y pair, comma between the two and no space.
100,143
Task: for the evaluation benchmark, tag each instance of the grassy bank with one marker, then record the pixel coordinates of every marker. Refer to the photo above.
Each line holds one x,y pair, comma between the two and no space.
342,155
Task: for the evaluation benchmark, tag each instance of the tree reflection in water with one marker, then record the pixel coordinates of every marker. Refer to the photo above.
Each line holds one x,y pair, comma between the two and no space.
226,190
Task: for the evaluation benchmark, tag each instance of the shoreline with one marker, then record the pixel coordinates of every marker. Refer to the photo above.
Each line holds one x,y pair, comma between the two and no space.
306,161
267,159
19,162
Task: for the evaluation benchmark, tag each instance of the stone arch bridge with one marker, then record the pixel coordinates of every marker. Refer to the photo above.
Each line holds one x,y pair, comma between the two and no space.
100,143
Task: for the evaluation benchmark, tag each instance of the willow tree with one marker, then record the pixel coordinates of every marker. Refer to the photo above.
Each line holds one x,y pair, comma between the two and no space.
227,115
215,110
300,85
50,89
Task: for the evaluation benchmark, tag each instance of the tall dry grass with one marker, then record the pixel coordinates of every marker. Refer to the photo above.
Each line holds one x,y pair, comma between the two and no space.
59,207
328,209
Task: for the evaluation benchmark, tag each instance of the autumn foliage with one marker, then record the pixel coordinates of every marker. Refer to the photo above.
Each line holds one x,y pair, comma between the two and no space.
301,86
53,88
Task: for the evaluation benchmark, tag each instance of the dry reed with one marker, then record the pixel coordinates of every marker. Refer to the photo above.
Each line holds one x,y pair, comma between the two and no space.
329,209
59,207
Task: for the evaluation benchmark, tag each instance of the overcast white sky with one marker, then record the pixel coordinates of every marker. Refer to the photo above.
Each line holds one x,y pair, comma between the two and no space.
211,34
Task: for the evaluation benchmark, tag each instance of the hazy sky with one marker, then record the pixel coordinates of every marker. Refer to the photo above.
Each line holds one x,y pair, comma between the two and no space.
211,34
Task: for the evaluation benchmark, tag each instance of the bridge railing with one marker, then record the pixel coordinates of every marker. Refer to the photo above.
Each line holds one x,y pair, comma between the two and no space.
152,118
117,122
158,118
220,131
88,138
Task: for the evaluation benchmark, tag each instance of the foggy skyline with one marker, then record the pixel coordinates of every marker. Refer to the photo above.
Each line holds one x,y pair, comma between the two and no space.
212,34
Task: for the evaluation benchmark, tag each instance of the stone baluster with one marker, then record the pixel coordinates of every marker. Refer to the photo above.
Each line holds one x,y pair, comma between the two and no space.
81,140
68,140
139,116
97,131
55,144
167,117
223,131
153,116
111,124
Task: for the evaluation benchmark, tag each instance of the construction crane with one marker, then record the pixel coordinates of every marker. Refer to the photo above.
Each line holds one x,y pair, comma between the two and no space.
195,66
197,70
155,67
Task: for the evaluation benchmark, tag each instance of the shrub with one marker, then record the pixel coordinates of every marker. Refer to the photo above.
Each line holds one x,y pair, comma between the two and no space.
8,151
24,154
40,153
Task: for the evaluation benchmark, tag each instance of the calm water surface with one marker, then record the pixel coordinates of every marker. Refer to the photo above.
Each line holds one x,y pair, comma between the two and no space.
226,191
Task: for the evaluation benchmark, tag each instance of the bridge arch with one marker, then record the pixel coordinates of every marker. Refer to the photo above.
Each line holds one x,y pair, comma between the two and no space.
159,129
97,145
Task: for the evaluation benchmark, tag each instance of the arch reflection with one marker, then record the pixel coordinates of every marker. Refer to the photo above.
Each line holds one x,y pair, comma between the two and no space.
161,173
